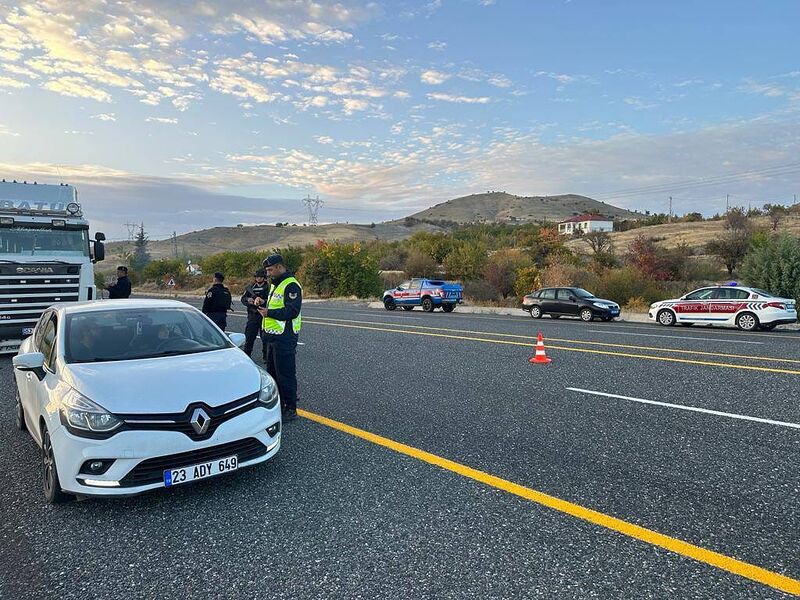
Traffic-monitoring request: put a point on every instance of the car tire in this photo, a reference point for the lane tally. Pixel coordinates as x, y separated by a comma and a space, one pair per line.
19, 420
536, 312
448, 308
389, 303
427, 305
50, 482
666, 317
408, 308
768, 326
586, 315
747, 321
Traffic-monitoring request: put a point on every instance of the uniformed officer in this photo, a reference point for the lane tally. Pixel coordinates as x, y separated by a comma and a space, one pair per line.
255, 295
218, 302
122, 288
279, 328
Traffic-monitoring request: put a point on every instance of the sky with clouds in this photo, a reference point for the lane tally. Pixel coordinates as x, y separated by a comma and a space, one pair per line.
188, 114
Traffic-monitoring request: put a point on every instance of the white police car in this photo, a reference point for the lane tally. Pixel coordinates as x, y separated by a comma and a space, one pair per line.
733, 305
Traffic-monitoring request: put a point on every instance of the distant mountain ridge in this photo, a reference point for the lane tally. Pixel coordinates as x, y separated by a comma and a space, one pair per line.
499, 207
491, 207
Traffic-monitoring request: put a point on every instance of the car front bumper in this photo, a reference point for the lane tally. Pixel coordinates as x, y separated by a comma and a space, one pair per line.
129, 449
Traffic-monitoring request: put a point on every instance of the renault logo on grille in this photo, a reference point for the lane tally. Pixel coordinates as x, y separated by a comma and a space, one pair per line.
200, 421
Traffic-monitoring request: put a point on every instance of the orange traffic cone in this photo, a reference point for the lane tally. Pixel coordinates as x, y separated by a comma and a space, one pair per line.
541, 356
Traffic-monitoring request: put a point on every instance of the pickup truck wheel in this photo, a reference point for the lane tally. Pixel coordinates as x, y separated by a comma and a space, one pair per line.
427, 304
408, 308
389, 304
448, 307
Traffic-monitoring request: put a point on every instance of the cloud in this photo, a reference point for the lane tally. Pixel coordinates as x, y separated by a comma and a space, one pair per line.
433, 77
8, 82
460, 99
104, 117
4, 130
352, 105
438, 46
562, 78
500, 81
324, 139
76, 87
163, 120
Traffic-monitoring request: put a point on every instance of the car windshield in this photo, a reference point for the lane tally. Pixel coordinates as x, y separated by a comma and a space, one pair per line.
581, 293
129, 334
31, 241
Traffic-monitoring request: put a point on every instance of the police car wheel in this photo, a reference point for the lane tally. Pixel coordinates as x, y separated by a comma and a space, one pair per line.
666, 317
389, 304
747, 321
587, 315
427, 305
536, 312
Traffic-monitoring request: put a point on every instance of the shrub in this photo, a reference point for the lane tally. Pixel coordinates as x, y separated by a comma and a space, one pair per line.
529, 279
341, 270
419, 264
620, 285
233, 264
775, 266
466, 262
637, 304
479, 291
501, 270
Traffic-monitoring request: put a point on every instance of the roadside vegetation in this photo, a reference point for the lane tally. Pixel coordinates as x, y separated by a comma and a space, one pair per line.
498, 263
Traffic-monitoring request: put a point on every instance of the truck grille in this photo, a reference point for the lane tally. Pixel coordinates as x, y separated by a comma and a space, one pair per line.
27, 289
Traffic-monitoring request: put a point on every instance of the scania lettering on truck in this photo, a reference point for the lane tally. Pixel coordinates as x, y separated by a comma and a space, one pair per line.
46, 255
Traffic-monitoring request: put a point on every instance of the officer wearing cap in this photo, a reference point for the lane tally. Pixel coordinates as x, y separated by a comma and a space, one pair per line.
122, 288
218, 302
279, 329
255, 295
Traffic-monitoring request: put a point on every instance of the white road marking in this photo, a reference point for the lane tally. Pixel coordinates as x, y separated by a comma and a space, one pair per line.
690, 408
676, 337
301, 343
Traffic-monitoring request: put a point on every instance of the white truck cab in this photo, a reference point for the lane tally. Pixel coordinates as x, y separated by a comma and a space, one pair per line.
46, 255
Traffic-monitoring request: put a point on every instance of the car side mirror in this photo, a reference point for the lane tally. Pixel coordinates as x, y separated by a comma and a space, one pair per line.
99, 253
32, 362
100, 237
237, 339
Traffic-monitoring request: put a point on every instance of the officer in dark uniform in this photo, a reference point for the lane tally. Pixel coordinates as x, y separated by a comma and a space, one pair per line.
279, 330
218, 302
255, 295
121, 289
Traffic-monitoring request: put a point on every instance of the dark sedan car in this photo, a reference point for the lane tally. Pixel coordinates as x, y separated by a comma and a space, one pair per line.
569, 302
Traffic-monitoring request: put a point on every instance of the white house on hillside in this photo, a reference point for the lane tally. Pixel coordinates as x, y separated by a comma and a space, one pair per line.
586, 224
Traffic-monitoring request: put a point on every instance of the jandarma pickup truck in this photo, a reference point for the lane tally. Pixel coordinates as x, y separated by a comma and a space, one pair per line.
430, 294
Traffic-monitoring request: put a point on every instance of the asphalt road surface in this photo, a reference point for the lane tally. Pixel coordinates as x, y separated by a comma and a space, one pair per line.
433, 460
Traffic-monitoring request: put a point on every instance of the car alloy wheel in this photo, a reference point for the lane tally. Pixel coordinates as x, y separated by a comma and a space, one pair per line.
747, 322
665, 317
587, 315
536, 312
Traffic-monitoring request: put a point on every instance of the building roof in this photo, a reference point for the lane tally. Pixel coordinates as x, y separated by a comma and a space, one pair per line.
582, 218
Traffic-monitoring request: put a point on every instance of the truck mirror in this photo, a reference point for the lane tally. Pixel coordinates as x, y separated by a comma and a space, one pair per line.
99, 251
100, 237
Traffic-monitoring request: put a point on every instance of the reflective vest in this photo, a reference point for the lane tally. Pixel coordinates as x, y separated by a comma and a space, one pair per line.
273, 326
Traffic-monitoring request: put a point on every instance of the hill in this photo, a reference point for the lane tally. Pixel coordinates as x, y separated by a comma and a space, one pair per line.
695, 235
495, 207
265, 237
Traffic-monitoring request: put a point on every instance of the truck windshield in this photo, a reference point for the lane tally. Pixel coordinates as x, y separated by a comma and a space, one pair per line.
30, 241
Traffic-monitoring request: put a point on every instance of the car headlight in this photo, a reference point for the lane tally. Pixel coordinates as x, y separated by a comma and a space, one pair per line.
268, 394
78, 412
600, 305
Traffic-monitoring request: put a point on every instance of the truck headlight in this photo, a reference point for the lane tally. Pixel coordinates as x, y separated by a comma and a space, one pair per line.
268, 394
80, 413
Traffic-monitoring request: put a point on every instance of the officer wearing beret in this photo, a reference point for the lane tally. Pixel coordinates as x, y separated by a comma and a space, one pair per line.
281, 322
255, 295
218, 302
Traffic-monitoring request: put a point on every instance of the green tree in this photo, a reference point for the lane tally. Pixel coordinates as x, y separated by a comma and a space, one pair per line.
731, 248
420, 264
775, 266
528, 280
466, 261
140, 256
341, 270
501, 270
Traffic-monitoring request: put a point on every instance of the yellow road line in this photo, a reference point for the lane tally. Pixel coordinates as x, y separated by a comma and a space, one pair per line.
709, 557
584, 342
584, 350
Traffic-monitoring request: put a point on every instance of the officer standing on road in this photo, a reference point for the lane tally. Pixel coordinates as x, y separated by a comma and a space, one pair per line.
121, 289
279, 328
255, 295
218, 302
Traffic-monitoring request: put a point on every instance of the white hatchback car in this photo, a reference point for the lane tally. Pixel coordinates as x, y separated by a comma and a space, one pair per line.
131, 395
743, 307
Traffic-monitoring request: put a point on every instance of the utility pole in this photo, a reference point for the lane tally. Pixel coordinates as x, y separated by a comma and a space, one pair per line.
727, 203
670, 210
175, 243
313, 205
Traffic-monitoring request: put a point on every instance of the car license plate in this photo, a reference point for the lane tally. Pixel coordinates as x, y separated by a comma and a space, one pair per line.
200, 470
